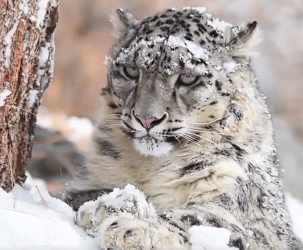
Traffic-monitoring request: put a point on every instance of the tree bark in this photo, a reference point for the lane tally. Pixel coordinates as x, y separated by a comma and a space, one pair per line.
26, 69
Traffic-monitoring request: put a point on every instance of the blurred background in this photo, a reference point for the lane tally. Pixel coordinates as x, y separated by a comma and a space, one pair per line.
83, 38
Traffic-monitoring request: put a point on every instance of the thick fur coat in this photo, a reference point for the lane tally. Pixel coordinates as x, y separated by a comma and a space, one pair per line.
183, 120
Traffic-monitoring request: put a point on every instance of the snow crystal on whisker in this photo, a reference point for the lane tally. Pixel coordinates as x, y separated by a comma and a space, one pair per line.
5, 93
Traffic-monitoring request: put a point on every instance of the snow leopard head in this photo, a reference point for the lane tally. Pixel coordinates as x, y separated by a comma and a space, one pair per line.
176, 74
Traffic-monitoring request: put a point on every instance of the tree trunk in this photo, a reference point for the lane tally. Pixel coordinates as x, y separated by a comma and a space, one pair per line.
26, 69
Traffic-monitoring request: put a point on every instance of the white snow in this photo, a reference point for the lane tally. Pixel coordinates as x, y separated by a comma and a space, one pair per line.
31, 219
197, 51
32, 97
5, 93
42, 4
230, 66
44, 54
296, 212
43, 57
8, 42
24, 6
210, 238
107, 60
218, 24
119, 197
201, 9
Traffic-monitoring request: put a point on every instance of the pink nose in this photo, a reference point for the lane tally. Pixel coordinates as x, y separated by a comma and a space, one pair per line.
146, 121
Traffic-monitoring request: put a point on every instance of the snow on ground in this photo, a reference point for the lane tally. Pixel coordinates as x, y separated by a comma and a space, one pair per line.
209, 238
296, 211
28, 221
31, 219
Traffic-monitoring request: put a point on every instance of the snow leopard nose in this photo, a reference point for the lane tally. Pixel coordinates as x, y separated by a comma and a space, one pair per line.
149, 122
146, 122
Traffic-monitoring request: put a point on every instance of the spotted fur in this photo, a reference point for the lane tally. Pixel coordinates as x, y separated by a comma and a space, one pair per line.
209, 158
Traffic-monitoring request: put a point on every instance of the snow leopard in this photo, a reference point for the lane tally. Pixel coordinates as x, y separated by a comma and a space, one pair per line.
183, 120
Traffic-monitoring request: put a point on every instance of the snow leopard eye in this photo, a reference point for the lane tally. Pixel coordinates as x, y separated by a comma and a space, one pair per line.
188, 79
130, 73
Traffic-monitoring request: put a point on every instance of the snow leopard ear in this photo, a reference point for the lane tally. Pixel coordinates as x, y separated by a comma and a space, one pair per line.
122, 21
242, 40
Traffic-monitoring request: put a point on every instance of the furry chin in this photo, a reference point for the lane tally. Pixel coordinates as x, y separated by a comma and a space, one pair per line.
147, 148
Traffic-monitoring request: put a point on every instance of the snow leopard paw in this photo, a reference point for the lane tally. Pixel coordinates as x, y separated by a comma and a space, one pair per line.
128, 200
86, 217
128, 232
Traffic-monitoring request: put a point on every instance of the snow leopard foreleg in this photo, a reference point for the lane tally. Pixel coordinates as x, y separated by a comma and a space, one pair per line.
124, 219
195, 214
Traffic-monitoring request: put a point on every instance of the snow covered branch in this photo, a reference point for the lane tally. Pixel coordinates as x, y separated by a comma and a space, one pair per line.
26, 69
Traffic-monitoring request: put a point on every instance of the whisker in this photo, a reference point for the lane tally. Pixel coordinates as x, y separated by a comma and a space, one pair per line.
206, 131
174, 135
110, 118
111, 122
112, 114
114, 120
177, 140
111, 125
206, 123
191, 140
202, 137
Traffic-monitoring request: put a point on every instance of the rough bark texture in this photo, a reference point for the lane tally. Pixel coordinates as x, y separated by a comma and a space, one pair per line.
26, 69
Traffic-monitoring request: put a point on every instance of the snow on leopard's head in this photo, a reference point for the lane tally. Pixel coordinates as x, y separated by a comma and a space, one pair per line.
170, 75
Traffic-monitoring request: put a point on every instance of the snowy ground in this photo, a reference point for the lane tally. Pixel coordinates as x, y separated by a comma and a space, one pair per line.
31, 219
